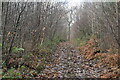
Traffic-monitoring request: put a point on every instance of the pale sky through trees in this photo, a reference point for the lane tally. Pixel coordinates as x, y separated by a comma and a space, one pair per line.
74, 2
60, 39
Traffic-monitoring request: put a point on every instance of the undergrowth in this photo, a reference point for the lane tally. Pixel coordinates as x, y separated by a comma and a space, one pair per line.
82, 40
51, 44
91, 51
31, 63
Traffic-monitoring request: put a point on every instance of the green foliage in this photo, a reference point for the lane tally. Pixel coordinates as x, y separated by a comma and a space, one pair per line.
20, 72
27, 72
12, 73
15, 49
40, 67
3, 64
27, 56
51, 44
0, 44
82, 40
37, 58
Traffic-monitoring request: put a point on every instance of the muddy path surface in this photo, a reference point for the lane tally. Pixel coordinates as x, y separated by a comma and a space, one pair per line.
69, 63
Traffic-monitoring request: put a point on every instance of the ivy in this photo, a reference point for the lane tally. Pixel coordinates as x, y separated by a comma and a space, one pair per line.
15, 49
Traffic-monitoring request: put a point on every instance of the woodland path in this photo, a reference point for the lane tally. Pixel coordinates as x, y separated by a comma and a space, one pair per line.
69, 63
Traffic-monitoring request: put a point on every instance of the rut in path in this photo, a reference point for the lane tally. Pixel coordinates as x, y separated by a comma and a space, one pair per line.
69, 63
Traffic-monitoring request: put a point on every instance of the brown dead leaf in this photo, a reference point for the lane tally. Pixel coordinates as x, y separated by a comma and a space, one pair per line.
11, 60
110, 75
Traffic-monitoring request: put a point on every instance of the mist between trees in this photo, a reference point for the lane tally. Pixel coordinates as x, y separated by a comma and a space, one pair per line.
32, 22
29, 25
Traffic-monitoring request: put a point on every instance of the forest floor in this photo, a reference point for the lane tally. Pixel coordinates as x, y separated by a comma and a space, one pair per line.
70, 63
67, 61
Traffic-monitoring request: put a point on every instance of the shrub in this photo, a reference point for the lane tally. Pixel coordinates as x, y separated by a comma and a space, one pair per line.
51, 44
0, 44
40, 67
82, 40
15, 49
12, 73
